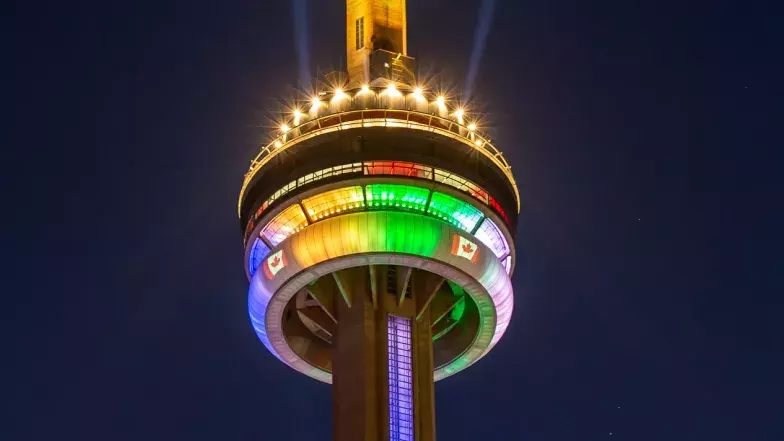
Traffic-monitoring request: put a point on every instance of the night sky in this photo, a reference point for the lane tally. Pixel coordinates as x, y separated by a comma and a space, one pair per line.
646, 137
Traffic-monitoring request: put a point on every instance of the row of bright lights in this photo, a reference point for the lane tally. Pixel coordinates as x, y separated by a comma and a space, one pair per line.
391, 89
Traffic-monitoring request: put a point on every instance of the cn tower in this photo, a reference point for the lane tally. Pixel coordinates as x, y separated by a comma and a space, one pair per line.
378, 227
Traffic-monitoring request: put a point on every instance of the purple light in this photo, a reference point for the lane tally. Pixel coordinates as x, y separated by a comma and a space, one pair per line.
401, 406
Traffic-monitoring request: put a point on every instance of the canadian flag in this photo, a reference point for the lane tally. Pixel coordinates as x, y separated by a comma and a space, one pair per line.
464, 248
275, 262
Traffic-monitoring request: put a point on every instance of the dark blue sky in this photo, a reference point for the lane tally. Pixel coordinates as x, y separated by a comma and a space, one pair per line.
645, 136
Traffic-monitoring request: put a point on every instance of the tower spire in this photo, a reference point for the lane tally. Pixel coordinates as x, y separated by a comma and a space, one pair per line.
373, 25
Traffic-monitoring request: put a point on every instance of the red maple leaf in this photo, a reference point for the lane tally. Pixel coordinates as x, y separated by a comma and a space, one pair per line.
467, 248
275, 261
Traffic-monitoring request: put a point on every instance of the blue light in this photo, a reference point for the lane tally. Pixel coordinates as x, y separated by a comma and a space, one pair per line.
257, 254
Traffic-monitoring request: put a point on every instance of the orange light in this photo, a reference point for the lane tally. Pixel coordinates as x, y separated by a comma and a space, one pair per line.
284, 128
441, 100
472, 127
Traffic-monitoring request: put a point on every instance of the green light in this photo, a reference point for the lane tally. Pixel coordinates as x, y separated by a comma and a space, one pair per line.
454, 211
391, 195
457, 311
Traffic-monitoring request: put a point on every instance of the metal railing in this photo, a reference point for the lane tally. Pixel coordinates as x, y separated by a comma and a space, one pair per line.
403, 118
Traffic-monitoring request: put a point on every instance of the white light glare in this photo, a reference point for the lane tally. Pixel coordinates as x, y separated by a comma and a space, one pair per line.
441, 100
284, 128
365, 88
472, 127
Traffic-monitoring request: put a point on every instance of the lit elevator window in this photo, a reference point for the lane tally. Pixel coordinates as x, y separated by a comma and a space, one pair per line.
454, 211
286, 223
401, 197
491, 236
334, 202
401, 397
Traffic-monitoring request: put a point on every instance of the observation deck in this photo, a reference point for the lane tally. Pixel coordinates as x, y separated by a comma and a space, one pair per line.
417, 128
388, 179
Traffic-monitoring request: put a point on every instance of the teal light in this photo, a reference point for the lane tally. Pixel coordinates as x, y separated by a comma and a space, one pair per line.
454, 211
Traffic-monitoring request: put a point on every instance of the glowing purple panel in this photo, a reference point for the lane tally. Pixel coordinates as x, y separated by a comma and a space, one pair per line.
401, 398
491, 235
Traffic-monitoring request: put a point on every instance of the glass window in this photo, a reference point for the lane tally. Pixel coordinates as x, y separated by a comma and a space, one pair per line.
404, 197
334, 202
398, 168
257, 254
286, 223
454, 211
462, 184
401, 379
491, 236
359, 35
497, 207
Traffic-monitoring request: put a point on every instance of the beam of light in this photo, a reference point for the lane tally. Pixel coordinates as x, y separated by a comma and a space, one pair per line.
480, 38
299, 13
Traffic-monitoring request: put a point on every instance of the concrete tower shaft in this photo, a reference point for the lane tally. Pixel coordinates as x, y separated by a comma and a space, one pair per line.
373, 25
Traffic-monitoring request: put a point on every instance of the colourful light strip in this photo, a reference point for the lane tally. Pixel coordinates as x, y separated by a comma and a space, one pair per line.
393, 168
385, 196
398, 168
453, 210
286, 223
401, 406
491, 236
257, 253
404, 197
383, 237
334, 202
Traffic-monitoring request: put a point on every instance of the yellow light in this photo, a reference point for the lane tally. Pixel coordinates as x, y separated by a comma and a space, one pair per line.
278, 144
478, 142
297, 114
365, 88
418, 91
391, 87
472, 127
459, 113
441, 100
339, 94
284, 128
316, 101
